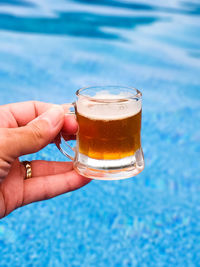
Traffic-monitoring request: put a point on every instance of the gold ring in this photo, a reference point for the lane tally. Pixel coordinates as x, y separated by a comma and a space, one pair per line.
27, 166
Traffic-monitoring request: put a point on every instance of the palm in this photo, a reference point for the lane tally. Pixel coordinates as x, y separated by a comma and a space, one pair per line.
49, 178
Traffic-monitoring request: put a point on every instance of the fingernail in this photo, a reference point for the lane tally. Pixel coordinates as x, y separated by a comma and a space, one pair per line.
54, 115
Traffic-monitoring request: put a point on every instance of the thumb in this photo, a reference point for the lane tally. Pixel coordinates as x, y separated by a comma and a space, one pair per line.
36, 134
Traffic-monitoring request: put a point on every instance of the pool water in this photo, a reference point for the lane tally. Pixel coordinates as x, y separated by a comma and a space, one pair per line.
48, 50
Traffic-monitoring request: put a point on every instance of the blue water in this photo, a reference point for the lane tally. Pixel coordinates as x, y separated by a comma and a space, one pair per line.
48, 50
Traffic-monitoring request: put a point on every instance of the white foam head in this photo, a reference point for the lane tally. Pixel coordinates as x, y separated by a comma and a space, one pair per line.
105, 108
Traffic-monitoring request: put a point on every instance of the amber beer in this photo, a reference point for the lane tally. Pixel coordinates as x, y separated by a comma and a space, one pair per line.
109, 139
108, 145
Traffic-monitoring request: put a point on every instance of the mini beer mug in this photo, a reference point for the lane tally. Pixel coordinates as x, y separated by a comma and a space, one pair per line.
108, 143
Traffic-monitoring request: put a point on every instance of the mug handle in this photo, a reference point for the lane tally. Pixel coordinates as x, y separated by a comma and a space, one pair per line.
61, 143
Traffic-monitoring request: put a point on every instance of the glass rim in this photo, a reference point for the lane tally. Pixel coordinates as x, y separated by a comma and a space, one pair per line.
137, 94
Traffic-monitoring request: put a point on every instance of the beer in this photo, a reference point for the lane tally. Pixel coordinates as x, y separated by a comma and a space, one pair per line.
108, 145
109, 137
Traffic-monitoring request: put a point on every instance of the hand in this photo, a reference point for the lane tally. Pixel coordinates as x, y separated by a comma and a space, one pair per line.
26, 128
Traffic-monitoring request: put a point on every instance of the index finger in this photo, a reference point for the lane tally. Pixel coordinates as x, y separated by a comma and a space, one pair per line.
21, 113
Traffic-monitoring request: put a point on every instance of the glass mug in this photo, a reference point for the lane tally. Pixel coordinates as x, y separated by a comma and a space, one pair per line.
108, 142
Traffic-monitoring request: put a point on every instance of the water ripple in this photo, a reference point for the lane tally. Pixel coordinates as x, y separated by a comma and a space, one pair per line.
90, 25
50, 48
16, 3
184, 8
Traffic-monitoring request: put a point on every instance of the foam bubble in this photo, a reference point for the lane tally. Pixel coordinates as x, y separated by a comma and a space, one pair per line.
101, 110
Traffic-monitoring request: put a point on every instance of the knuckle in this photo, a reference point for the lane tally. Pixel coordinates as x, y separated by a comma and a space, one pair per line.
5, 158
6, 136
47, 194
36, 130
37, 133
4, 168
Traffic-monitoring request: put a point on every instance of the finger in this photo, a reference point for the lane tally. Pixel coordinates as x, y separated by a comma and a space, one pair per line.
42, 188
19, 114
45, 168
32, 137
68, 137
70, 126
